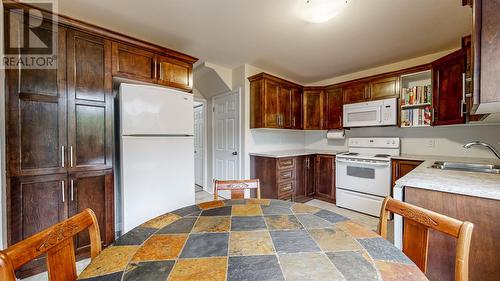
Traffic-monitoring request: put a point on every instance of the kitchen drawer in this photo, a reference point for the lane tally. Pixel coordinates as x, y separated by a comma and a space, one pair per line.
286, 187
286, 163
286, 197
286, 175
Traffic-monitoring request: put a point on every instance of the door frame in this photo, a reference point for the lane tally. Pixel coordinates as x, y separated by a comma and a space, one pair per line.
239, 130
205, 141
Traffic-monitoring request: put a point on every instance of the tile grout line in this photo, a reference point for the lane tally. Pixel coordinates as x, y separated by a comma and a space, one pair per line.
184, 245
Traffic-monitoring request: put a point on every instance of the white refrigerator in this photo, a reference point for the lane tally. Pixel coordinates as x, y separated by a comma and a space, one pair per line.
156, 152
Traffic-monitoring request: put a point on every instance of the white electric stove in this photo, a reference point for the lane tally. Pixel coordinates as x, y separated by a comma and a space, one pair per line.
363, 175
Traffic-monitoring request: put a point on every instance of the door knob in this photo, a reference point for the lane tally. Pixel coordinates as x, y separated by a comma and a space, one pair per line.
235, 153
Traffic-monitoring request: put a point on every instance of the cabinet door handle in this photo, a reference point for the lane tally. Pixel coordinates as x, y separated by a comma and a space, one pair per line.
155, 70
62, 156
72, 190
71, 156
161, 72
463, 96
293, 121
62, 191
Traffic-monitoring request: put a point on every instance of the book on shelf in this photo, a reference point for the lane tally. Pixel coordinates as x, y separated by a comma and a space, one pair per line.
416, 95
416, 117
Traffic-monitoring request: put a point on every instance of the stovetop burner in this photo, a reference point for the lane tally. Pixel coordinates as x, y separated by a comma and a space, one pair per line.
382, 155
351, 154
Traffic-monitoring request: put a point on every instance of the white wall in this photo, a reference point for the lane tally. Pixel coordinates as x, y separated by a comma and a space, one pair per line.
442, 141
2, 141
260, 140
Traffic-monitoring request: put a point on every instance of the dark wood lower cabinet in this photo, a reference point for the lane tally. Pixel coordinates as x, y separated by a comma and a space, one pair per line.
483, 213
325, 177
277, 176
93, 190
310, 175
300, 178
37, 202
402, 167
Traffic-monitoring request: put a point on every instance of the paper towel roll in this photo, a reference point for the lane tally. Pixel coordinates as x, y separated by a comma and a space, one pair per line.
335, 135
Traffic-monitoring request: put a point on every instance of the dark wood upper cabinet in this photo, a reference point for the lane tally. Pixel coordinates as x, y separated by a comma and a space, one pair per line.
175, 73
143, 65
296, 108
89, 102
274, 103
380, 87
333, 108
36, 113
271, 98
285, 107
449, 95
384, 88
356, 92
134, 63
93, 190
486, 56
325, 177
313, 108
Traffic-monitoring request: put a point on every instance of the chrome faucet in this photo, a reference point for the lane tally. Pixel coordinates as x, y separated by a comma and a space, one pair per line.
474, 143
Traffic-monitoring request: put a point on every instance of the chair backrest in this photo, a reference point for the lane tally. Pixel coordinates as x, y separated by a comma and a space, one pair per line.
418, 221
237, 187
57, 243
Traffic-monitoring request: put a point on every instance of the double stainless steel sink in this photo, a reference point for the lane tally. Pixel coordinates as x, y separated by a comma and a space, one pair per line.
469, 167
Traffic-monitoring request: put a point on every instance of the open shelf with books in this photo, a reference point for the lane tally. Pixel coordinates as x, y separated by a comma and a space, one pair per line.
416, 99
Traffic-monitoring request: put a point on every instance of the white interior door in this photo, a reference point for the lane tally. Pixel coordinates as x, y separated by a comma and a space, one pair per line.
199, 130
226, 137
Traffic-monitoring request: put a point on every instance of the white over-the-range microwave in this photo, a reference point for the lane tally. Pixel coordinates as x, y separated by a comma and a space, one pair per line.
371, 113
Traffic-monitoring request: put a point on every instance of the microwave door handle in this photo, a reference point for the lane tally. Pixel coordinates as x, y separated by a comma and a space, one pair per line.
380, 110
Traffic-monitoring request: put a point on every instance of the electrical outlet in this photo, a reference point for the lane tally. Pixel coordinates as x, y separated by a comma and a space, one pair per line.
431, 143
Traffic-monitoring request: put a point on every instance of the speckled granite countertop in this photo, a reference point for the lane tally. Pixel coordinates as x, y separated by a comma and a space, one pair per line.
294, 153
459, 182
255, 239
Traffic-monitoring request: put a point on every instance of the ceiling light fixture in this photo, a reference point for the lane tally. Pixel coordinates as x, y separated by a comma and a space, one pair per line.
318, 11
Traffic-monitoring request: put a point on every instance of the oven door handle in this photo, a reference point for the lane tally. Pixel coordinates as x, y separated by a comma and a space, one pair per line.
363, 163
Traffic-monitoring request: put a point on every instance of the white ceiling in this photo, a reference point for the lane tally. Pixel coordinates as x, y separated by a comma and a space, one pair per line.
269, 35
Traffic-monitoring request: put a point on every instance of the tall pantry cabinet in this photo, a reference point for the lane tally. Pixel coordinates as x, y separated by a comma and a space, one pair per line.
59, 138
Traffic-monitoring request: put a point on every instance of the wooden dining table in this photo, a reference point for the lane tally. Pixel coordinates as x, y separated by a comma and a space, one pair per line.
251, 239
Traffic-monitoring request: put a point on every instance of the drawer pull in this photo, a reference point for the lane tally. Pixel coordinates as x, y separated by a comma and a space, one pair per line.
287, 187
288, 163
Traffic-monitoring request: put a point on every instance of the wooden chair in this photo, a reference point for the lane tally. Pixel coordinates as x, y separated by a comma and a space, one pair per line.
55, 241
417, 223
237, 187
